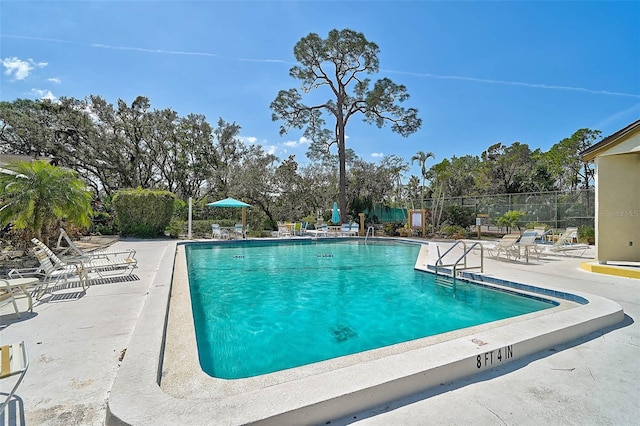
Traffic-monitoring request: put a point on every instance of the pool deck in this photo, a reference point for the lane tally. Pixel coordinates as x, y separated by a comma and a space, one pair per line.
75, 343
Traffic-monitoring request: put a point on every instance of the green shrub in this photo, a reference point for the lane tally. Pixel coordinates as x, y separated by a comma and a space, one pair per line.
458, 216
532, 225
390, 228
586, 233
103, 224
143, 212
175, 228
451, 230
310, 219
270, 225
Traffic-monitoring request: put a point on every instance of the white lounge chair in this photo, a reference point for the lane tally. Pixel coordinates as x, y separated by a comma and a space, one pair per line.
541, 232
564, 244
508, 245
97, 254
90, 263
320, 231
49, 273
14, 361
52, 269
528, 244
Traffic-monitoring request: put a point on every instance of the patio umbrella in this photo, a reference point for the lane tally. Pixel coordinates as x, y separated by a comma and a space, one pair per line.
335, 217
232, 202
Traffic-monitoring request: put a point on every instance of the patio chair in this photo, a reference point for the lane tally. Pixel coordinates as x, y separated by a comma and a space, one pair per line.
14, 361
564, 243
102, 253
7, 296
53, 269
239, 231
49, 273
345, 229
320, 231
528, 244
89, 262
541, 233
355, 229
283, 230
507, 245
218, 233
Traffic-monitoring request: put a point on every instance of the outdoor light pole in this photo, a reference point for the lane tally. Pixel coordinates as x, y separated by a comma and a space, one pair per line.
190, 217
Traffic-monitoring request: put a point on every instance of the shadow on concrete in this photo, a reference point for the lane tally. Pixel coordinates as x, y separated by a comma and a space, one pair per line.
13, 414
480, 377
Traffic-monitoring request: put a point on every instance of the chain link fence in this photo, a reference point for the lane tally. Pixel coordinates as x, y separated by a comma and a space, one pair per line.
556, 209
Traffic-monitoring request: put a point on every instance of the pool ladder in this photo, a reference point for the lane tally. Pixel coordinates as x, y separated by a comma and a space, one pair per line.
373, 233
456, 268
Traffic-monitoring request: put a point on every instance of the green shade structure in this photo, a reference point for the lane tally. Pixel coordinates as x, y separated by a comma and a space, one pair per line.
335, 217
232, 202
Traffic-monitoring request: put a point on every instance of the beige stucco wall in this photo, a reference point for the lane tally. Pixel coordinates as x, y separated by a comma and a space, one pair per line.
618, 206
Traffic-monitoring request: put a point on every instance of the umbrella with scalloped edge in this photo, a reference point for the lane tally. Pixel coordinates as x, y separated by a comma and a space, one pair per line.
232, 202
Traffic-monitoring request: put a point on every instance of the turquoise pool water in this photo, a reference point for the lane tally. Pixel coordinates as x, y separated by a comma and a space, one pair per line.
262, 307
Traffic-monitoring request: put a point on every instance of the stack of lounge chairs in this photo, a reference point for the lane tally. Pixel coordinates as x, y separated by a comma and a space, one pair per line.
53, 270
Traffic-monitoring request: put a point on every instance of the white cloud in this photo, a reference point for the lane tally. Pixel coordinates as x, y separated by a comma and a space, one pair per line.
515, 83
249, 139
54, 80
20, 69
293, 144
377, 154
271, 149
43, 94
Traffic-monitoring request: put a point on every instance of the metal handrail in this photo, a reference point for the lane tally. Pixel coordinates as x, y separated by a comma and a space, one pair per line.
373, 233
439, 261
463, 257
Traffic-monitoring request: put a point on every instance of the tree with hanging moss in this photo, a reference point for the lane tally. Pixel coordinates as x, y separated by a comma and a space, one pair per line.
35, 194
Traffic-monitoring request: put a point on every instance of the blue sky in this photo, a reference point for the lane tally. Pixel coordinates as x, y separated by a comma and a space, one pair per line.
478, 72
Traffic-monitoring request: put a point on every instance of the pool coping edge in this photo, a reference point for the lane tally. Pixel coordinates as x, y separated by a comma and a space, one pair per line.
136, 396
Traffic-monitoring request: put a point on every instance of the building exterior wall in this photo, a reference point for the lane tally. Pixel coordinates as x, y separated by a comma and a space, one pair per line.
618, 207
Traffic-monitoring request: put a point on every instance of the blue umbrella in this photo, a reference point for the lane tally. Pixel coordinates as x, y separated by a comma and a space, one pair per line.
232, 202
335, 217
228, 202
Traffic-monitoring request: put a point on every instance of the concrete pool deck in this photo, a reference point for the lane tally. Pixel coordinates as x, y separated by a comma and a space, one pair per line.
75, 343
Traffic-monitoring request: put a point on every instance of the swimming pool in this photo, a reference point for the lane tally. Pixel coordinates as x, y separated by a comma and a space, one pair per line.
265, 307
160, 380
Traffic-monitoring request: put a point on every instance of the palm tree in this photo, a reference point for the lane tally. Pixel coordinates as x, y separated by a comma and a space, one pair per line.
39, 193
422, 158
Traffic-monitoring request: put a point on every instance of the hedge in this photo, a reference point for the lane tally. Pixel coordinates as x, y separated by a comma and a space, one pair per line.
143, 212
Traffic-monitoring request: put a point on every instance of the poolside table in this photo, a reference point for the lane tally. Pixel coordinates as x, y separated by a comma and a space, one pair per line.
23, 284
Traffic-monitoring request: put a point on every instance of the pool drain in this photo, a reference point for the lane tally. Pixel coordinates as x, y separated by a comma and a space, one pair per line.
342, 333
